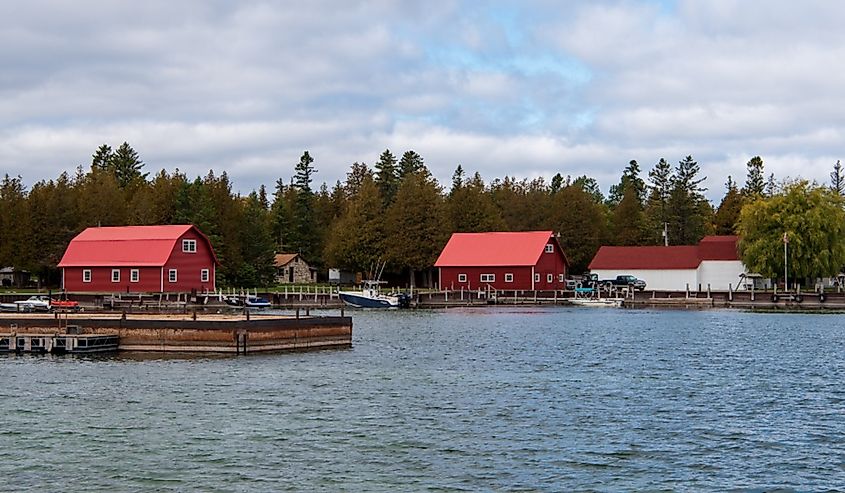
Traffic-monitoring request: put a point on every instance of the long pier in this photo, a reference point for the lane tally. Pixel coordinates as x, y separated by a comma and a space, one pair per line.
213, 333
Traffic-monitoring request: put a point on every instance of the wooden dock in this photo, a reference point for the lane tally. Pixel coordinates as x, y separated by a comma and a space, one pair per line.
235, 334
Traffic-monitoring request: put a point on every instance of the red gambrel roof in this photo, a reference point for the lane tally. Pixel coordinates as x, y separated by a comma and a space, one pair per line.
141, 246
494, 249
666, 257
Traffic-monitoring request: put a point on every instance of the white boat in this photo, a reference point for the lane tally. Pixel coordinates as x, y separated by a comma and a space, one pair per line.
590, 297
248, 301
33, 304
598, 302
370, 296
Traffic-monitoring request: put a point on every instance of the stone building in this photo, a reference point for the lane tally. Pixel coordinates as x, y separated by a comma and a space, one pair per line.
291, 268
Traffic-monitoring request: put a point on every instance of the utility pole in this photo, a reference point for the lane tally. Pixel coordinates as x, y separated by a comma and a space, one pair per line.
665, 234
785, 278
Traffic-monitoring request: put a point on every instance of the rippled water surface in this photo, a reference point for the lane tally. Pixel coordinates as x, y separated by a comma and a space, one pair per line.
548, 399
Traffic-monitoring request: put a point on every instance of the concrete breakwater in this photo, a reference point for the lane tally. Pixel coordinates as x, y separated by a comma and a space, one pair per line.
233, 334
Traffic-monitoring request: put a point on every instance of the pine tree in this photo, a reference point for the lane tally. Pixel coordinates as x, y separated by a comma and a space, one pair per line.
556, 183
754, 182
126, 165
837, 179
102, 158
387, 176
687, 224
628, 219
630, 177
471, 208
304, 231
724, 222
411, 163
657, 205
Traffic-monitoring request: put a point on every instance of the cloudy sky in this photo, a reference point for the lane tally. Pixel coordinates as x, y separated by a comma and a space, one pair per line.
522, 88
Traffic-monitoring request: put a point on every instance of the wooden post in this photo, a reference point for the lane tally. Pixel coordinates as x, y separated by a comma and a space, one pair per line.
730, 292
708, 290
687, 291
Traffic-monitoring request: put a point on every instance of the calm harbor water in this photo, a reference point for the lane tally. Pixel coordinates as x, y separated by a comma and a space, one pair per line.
529, 399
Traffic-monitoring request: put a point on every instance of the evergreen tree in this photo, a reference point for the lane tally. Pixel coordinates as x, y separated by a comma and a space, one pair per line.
15, 230
837, 179
356, 239
355, 177
471, 208
258, 245
771, 186
102, 158
411, 163
458, 179
687, 222
556, 183
590, 186
416, 231
630, 177
304, 234
657, 205
387, 176
581, 221
126, 165
628, 219
754, 182
724, 222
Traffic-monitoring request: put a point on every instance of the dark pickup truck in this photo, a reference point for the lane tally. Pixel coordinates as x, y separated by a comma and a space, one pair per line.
618, 281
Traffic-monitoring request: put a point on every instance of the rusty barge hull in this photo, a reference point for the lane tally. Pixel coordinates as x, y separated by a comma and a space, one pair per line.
162, 333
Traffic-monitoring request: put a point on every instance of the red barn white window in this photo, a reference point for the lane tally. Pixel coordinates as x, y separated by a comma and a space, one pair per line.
86, 275
134, 275
550, 248
115, 275
204, 275
189, 246
488, 278
171, 275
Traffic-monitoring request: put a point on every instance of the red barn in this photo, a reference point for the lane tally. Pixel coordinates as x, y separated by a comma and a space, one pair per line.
527, 260
139, 259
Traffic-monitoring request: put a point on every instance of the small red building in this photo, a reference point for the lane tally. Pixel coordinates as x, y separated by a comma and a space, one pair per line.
526, 260
139, 259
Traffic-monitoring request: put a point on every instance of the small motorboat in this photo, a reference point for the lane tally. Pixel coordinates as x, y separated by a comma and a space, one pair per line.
256, 302
248, 301
597, 302
370, 296
589, 296
64, 304
34, 304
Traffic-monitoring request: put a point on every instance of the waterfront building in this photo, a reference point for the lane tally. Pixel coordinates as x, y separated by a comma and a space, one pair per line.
525, 260
714, 261
291, 268
139, 259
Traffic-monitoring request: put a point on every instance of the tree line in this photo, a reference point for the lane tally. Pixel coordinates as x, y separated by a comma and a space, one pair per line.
394, 211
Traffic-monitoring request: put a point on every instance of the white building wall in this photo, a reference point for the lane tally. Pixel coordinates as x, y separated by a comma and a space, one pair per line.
657, 279
720, 273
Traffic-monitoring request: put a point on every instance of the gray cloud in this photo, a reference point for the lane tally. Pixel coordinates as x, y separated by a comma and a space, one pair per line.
524, 89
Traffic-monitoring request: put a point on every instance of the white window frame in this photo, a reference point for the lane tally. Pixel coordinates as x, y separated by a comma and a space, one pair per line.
536, 277
561, 278
172, 275
550, 278
134, 275
509, 277
205, 275
86, 275
550, 248
115, 275
487, 278
462, 278
189, 246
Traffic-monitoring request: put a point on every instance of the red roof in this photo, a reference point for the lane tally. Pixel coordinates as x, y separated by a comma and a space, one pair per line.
719, 248
142, 246
666, 257
494, 249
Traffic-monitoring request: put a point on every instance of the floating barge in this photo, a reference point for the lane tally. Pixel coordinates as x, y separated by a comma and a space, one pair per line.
234, 334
